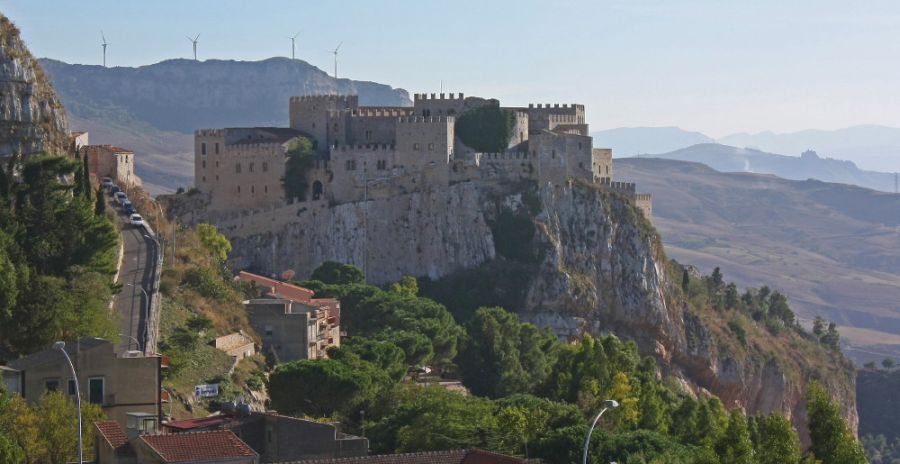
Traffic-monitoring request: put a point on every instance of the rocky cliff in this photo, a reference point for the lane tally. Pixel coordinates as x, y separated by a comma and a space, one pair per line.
32, 120
571, 257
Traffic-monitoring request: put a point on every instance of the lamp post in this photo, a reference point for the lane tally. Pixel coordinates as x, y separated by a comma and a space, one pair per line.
608, 404
136, 342
147, 320
61, 346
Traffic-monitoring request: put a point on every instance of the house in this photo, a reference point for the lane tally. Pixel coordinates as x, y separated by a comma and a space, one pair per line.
113, 162
280, 438
466, 456
131, 383
237, 345
114, 446
291, 322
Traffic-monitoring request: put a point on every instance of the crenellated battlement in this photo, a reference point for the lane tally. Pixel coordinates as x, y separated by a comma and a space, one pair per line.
247, 149
368, 112
425, 119
501, 156
209, 133
643, 197
322, 98
434, 96
548, 106
624, 187
379, 147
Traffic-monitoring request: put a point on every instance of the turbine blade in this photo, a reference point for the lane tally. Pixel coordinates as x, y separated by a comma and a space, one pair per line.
102, 36
338, 47
195, 38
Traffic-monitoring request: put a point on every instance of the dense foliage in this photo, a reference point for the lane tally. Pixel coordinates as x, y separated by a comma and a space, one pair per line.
487, 128
57, 257
530, 395
46, 432
300, 159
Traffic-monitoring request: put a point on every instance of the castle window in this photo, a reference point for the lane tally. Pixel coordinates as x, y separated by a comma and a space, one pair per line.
204, 178
579, 145
607, 169
430, 147
217, 177
368, 135
313, 125
350, 165
250, 168
265, 166
553, 154
239, 188
317, 190
252, 189
217, 163
416, 146
203, 164
265, 189
217, 148
381, 165
237, 168
203, 148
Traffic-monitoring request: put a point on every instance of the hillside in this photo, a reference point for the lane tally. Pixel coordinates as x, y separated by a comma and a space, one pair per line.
830, 247
879, 410
809, 166
870, 146
154, 109
630, 141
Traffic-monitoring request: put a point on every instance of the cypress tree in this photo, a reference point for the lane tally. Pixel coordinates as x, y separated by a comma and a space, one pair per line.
86, 178
100, 204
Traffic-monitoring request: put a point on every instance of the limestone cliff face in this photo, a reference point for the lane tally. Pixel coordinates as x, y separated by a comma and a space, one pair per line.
598, 267
32, 119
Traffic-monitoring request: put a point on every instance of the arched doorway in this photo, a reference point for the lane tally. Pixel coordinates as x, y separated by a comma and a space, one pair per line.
317, 190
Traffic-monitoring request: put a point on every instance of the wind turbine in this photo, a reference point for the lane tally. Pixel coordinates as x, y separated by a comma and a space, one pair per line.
335, 52
104, 44
194, 41
292, 45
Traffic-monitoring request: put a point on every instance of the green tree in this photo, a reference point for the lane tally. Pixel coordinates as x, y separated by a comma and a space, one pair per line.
731, 296
384, 354
300, 159
503, 356
776, 441
888, 363
331, 272
86, 178
818, 326
324, 387
407, 286
214, 241
832, 440
58, 427
685, 280
100, 202
487, 128
734, 446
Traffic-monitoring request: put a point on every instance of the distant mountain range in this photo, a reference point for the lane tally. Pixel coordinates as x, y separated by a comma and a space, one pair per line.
871, 147
831, 247
807, 166
154, 109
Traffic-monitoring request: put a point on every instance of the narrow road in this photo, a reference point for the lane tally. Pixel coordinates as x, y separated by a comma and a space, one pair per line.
136, 277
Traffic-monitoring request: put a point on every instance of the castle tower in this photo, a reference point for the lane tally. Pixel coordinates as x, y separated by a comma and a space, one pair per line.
310, 114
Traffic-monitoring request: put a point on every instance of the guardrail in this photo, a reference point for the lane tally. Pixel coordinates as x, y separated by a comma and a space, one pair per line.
151, 325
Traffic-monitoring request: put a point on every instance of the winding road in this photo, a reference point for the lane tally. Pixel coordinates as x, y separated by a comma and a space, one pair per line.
137, 276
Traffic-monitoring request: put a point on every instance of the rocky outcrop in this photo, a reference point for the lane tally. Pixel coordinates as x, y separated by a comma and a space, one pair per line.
32, 120
594, 264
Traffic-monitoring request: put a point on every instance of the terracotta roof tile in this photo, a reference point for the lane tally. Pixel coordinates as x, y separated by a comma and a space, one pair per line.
199, 446
112, 432
473, 456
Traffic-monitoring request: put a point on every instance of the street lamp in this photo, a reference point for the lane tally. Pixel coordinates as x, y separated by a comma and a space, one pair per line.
147, 320
608, 404
61, 346
136, 342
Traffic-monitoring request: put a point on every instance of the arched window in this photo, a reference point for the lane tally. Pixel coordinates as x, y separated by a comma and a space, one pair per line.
317, 190
203, 148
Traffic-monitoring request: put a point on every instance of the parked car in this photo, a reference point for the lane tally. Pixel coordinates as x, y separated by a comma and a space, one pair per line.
107, 183
121, 197
137, 220
114, 190
128, 208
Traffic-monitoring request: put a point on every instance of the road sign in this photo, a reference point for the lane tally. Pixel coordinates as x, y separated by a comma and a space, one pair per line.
206, 390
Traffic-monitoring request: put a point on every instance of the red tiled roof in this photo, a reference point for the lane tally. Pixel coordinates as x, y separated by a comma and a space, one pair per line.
279, 288
112, 432
200, 446
188, 424
473, 456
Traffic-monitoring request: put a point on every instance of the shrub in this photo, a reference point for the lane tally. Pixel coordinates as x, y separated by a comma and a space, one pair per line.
486, 129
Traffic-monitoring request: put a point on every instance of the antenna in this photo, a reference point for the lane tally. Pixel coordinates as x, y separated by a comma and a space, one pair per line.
194, 41
335, 52
104, 44
292, 45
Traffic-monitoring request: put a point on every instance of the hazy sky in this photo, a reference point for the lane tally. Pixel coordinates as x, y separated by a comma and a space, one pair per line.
717, 66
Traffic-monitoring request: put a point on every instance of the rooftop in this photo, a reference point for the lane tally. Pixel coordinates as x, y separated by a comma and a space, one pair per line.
199, 446
112, 432
51, 355
469, 456
262, 134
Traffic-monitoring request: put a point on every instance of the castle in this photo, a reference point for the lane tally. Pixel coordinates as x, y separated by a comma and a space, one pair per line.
364, 153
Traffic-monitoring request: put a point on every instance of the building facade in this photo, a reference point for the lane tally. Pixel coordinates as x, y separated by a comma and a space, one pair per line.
113, 162
120, 385
291, 323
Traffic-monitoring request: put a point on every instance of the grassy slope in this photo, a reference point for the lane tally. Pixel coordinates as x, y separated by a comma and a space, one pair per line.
831, 248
